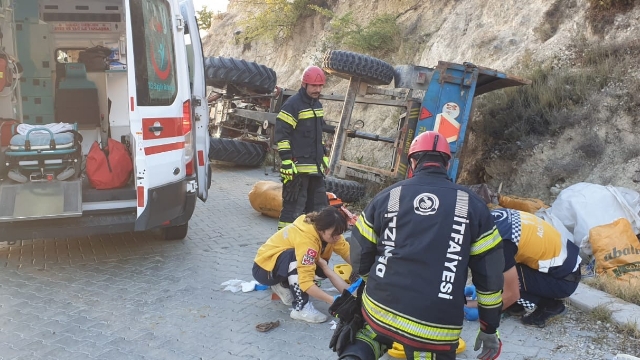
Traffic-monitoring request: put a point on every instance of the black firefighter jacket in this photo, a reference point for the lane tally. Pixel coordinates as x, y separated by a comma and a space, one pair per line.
413, 244
299, 132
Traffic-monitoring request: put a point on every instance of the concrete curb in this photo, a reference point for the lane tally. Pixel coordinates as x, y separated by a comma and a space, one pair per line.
587, 298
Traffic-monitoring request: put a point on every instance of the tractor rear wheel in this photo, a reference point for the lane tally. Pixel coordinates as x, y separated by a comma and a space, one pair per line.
346, 64
347, 190
237, 152
244, 75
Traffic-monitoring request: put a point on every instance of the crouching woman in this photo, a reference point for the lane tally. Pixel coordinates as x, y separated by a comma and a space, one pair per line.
291, 259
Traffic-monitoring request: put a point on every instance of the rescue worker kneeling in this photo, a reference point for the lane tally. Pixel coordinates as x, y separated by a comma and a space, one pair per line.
413, 244
541, 267
292, 257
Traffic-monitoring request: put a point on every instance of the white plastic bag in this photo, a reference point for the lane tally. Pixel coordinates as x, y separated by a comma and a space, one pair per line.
234, 285
583, 206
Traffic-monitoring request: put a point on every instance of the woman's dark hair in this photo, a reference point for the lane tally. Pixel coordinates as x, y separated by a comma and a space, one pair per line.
328, 218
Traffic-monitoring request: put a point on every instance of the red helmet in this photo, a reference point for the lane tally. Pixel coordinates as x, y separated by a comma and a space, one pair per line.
429, 141
313, 75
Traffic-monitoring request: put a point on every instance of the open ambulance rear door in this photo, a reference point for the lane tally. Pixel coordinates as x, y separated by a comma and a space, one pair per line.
159, 111
199, 104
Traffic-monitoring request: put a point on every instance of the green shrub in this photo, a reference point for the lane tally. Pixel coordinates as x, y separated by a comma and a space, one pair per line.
204, 17
379, 37
277, 19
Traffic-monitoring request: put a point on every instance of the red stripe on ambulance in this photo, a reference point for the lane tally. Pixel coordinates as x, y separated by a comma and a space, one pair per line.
140, 191
200, 158
158, 149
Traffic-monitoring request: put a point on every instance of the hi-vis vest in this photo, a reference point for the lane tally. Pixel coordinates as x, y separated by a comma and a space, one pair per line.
540, 245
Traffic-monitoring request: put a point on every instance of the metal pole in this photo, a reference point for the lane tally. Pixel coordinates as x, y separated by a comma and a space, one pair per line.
341, 130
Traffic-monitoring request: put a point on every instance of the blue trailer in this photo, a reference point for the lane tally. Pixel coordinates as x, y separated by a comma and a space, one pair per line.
449, 90
448, 101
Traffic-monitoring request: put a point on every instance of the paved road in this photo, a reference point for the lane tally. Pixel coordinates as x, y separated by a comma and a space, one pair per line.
134, 296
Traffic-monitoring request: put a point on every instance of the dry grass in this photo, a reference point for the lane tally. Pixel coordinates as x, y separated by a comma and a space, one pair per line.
509, 121
601, 313
544, 108
553, 18
630, 329
560, 169
602, 13
623, 290
591, 145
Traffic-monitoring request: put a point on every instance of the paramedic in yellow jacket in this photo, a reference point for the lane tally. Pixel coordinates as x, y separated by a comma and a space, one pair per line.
541, 267
292, 257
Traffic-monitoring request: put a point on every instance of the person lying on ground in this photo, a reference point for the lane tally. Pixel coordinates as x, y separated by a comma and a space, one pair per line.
541, 267
293, 257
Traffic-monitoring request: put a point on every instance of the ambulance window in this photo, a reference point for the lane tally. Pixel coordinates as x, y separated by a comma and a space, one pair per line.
154, 52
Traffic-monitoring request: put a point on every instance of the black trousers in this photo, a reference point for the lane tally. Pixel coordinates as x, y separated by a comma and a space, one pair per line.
285, 273
538, 288
312, 197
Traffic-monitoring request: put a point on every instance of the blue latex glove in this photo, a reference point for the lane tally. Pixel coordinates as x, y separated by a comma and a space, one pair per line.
355, 285
471, 314
470, 291
352, 288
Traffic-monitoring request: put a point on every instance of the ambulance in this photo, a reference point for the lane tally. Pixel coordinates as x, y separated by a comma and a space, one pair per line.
79, 75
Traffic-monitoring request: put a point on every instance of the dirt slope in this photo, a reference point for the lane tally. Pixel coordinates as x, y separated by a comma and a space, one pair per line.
492, 33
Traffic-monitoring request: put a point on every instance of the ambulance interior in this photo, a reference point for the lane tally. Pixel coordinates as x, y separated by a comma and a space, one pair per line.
64, 67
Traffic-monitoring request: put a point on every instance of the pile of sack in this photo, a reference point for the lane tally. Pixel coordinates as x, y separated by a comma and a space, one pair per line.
602, 220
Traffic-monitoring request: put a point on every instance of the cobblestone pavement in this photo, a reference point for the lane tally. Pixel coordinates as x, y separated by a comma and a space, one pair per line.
134, 296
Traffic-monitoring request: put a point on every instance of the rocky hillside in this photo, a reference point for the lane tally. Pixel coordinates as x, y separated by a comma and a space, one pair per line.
591, 139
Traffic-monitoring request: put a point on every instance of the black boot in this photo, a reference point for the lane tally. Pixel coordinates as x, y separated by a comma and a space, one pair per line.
545, 312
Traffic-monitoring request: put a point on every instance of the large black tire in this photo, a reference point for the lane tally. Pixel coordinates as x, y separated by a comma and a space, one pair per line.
346, 64
178, 232
347, 190
221, 71
237, 152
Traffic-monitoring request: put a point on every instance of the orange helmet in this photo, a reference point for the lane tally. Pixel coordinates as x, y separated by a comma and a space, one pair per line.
429, 142
313, 75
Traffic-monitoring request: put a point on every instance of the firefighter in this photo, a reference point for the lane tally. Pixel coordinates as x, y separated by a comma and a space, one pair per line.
541, 267
292, 258
298, 135
413, 244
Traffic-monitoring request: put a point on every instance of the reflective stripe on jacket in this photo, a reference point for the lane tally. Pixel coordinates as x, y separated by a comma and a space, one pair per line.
414, 242
298, 132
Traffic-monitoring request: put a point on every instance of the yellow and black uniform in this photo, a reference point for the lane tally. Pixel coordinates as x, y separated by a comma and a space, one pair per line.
298, 135
414, 243
548, 265
289, 257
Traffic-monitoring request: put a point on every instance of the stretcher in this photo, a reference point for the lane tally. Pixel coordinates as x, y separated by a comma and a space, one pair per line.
42, 155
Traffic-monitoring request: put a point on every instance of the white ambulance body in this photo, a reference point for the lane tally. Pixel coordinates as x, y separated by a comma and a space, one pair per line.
150, 97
